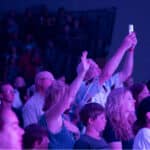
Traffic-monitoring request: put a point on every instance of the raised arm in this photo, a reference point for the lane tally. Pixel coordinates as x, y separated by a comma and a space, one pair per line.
66, 94
129, 61
81, 71
114, 62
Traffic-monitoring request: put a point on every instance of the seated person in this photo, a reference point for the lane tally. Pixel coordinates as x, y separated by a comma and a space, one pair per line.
92, 116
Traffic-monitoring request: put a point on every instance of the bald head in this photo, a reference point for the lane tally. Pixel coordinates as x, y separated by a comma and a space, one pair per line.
43, 80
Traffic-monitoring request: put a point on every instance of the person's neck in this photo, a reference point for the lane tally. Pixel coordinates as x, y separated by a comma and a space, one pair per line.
92, 133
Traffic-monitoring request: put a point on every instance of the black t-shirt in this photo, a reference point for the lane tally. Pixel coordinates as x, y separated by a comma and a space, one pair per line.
109, 136
87, 142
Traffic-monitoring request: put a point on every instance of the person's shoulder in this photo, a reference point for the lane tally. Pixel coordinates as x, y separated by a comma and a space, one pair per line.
144, 132
82, 142
142, 139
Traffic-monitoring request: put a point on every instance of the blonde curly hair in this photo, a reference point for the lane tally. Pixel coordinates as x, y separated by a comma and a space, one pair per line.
116, 112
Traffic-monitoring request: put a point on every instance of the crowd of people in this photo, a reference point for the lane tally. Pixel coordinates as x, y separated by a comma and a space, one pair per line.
99, 109
31, 41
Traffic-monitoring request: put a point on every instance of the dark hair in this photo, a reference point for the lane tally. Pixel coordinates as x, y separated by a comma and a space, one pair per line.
136, 89
33, 133
23, 92
90, 110
2, 84
142, 109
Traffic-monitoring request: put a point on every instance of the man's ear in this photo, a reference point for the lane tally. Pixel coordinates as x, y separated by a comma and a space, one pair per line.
90, 121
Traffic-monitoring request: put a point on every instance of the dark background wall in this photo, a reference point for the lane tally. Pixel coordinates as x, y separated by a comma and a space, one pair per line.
136, 12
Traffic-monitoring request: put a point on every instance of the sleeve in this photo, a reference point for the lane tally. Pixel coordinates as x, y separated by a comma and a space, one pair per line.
115, 81
142, 141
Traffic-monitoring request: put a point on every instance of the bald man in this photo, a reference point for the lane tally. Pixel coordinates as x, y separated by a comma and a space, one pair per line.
33, 108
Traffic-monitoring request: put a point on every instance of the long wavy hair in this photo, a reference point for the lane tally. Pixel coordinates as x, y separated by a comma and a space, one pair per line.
121, 123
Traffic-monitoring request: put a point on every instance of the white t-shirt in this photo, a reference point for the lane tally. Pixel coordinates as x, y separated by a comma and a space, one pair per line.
96, 92
33, 109
142, 140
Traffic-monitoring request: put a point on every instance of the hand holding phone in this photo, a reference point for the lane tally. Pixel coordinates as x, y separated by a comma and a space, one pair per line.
131, 28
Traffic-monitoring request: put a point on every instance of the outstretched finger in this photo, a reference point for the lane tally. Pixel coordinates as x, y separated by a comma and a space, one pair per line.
84, 54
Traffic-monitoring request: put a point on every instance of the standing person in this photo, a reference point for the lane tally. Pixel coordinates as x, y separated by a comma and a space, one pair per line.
32, 110
120, 112
58, 99
7, 94
92, 115
99, 82
142, 138
10, 132
19, 83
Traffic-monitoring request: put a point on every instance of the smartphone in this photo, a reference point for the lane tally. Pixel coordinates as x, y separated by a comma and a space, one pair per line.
131, 28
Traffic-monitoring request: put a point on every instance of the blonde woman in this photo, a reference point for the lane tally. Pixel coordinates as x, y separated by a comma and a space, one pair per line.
120, 110
58, 99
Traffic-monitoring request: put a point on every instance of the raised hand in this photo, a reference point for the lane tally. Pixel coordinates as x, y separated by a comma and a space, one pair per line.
84, 64
134, 41
130, 41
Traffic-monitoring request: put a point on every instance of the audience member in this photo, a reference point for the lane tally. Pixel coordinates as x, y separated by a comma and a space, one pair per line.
142, 139
92, 116
98, 83
7, 94
32, 110
18, 84
58, 99
120, 111
139, 92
